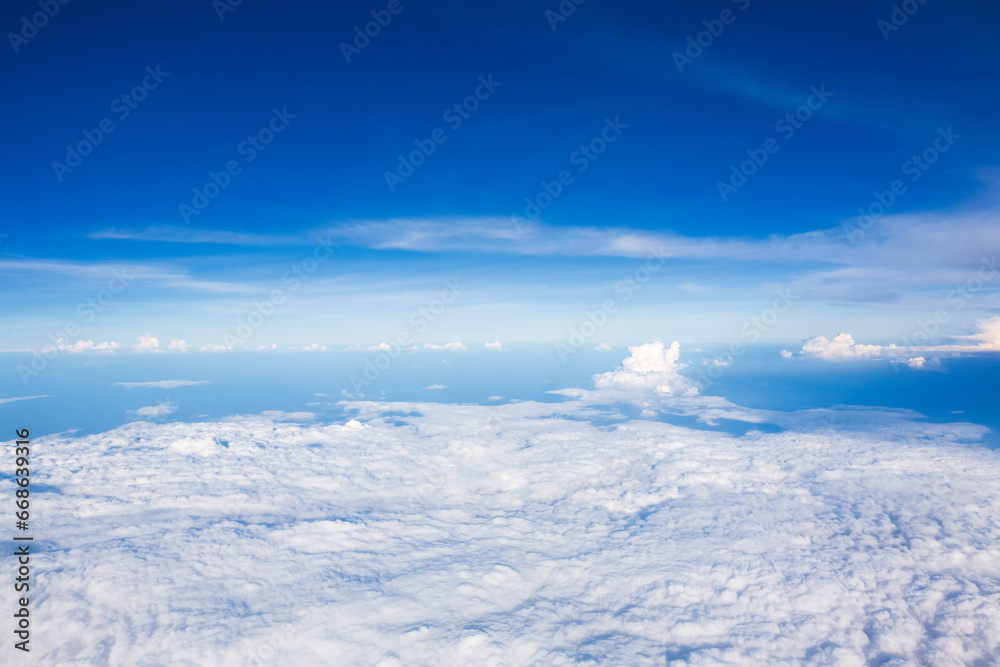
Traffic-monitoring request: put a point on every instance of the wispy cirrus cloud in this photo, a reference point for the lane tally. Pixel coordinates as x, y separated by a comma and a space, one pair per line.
14, 399
177, 234
161, 384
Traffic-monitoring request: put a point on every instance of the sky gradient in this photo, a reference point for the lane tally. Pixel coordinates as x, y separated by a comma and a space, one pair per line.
557, 154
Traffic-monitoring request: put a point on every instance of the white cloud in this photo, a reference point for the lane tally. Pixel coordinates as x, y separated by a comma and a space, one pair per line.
451, 347
603, 347
82, 346
313, 347
20, 398
495, 345
844, 348
785, 354
649, 366
155, 411
179, 345
148, 343
214, 348
524, 534
161, 384
436, 386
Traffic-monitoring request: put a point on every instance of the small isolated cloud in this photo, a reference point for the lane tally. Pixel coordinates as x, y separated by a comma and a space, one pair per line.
693, 288
495, 345
603, 347
649, 366
214, 348
436, 386
148, 343
155, 411
785, 354
314, 347
841, 348
161, 384
452, 347
179, 345
20, 398
917, 362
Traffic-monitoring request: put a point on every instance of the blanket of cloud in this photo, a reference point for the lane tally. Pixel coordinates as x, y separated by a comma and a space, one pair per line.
588, 531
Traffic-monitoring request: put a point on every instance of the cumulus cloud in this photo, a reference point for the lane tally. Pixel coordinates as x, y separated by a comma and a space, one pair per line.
179, 345
161, 384
147, 343
649, 366
436, 386
155, 411
844, 348
602, 347
495, 345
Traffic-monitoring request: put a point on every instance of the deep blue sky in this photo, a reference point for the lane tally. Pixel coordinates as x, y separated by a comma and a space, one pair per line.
607, 60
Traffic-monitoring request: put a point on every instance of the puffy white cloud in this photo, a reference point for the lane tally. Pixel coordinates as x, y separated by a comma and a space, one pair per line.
155, 411
602, 347
649, 366
495, 345
436, 386
179, 345
842, 348
148, 343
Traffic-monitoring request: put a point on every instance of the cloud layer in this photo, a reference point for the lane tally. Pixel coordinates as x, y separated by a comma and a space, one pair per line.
523, 534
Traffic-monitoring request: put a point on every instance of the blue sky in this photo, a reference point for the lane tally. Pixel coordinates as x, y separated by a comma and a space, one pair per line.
607, 68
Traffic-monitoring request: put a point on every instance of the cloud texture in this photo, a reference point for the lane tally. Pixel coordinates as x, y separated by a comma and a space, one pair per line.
523, 534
